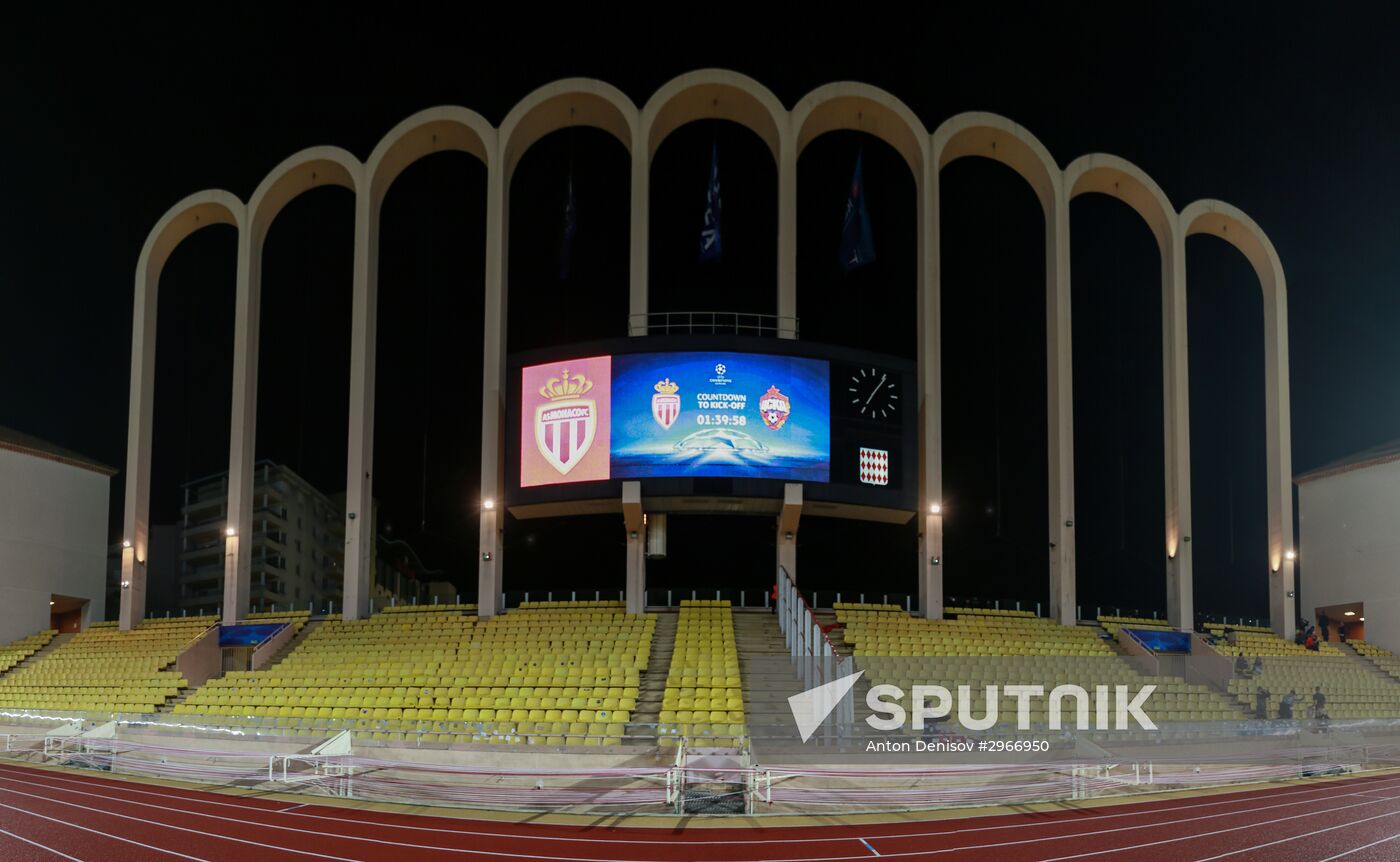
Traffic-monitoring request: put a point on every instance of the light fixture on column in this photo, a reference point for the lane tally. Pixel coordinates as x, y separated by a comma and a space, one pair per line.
935, 509
488, 504
1290, 555
230, 532
788, 536
486, 556
126, 543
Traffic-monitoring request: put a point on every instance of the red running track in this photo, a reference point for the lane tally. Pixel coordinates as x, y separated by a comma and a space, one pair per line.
47, 815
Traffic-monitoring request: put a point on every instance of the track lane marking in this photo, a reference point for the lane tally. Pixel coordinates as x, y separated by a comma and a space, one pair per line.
471, 851
40, 846
868, 847
1327, 789
103, 834
1359, 849
1298, 837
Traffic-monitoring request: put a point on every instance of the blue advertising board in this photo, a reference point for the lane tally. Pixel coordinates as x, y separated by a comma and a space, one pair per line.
247, 634
721, 414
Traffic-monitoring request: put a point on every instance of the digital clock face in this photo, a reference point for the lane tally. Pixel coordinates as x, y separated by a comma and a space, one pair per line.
872, 393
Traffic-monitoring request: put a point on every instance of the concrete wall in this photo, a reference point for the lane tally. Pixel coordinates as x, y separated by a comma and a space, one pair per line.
1350, 550
53, 540
202, 660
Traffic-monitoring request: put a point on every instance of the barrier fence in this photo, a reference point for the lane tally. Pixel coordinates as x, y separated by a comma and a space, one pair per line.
679, 785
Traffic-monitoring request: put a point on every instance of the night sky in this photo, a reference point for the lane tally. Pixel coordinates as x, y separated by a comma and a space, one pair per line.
112, 119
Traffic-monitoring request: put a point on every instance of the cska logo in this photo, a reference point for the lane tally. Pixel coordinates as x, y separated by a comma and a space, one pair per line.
775, 408
666, 404
564, 427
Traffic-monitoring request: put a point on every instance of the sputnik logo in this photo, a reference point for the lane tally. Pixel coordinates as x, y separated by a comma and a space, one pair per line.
811, 707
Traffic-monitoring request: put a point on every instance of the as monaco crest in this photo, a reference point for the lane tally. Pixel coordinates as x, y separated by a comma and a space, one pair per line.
565, 426
775, 408
666, 404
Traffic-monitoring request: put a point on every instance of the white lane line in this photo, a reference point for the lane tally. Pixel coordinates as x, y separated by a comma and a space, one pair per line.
1200, 835
99, 832
155, 823
1359, 849
291, 808
921, 852
1297, 837
40, 846
868, 847
1329, 789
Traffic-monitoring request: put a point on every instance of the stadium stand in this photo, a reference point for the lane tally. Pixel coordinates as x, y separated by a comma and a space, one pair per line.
1354, 688
554, 676
992, 647
15, 652
106, 671
703, 701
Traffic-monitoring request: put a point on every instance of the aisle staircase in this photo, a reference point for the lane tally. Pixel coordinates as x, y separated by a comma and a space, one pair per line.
653, 683
768, 676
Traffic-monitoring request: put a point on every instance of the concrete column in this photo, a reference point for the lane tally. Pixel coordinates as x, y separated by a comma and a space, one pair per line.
243, 424
787, 239
133, 590
359, 483
136, 520
1176, 437
493, 374
1059, 370
789, 519
634, 522
929, 324
1283, 612
638, 271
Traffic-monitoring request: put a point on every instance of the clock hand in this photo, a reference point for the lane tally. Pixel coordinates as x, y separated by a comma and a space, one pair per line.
877, 388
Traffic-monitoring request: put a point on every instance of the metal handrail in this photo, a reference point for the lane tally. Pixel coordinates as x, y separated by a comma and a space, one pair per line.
711, 323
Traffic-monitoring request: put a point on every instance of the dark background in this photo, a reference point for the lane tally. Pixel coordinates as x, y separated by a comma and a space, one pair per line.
1292, 116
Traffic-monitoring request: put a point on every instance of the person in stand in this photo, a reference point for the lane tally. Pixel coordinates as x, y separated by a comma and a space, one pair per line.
1310, 642
1241, 666
1299, 637
1258, 666
1285, 706
1342, 631
1261, 702
774, 596
1322, 623
1319, 702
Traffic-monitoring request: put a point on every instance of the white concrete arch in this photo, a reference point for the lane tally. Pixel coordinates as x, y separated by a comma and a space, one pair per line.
198, 211
311, 168
564, 103
555, 106
850, 105
853, 106
1227, 222
444, 128
1101, 173
724, 95
718, 94
995, 137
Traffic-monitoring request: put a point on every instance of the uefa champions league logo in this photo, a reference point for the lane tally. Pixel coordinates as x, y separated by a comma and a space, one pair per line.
720, 379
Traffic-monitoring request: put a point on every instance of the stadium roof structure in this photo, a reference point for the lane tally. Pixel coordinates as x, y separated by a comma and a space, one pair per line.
1383, 453
28, 444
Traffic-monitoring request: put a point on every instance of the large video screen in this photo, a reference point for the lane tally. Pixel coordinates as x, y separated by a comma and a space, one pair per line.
689, 413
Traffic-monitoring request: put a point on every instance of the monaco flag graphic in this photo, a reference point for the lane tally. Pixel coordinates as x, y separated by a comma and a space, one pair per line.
874, 466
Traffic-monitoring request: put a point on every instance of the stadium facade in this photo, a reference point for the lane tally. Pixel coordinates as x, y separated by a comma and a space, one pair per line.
727, 95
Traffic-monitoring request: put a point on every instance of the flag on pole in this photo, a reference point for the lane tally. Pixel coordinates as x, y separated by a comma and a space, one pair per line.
710, 244
566, 236
857, 247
